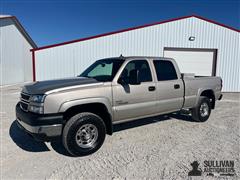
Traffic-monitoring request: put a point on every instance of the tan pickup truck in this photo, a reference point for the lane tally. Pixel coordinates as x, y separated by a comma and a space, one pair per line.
82, 110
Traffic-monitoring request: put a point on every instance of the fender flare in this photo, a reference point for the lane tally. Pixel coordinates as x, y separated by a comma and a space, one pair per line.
66, 105
200, 92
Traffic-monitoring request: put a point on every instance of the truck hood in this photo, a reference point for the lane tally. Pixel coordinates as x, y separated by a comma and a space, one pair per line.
41, 87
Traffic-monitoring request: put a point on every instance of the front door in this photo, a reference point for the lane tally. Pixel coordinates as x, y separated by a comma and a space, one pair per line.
132, 101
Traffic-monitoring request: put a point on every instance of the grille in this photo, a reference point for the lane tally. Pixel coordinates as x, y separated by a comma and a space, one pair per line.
25, 97
24, 101
24, 106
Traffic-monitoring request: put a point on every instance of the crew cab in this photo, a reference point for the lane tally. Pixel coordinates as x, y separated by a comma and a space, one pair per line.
83, 109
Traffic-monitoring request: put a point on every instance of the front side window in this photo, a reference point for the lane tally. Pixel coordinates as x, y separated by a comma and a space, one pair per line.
140, 65
103, 70
165, 70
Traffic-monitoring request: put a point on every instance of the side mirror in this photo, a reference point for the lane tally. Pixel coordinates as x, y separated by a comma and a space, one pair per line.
121, 81
134, 77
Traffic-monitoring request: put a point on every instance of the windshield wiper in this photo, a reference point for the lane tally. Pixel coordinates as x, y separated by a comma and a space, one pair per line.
83, 76
88, 77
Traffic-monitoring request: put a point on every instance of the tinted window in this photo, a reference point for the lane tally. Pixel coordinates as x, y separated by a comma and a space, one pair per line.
103, 70
142, 66
165, 70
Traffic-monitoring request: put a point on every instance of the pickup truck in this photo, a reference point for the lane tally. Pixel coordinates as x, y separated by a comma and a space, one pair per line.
83, 109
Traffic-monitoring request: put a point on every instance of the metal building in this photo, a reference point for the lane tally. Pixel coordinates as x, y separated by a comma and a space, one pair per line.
199, 45
15, 55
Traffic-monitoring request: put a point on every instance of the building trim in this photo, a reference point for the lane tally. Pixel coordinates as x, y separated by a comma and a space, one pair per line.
33, 66
132, 28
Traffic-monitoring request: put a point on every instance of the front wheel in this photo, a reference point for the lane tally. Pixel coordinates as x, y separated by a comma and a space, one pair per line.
202, 111
84, 134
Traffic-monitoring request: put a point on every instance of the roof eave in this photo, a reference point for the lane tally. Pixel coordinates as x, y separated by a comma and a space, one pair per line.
130, 29
22, 30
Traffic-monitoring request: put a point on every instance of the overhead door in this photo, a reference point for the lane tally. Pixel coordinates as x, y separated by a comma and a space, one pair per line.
201, 62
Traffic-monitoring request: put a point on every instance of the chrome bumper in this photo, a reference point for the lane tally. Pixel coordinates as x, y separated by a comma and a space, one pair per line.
48, 130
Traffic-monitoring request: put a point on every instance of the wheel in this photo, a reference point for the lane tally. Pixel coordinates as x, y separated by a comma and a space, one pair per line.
202, 111
83, 134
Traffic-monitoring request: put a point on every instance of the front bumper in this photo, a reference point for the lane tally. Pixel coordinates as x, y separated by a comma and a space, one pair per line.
40, 127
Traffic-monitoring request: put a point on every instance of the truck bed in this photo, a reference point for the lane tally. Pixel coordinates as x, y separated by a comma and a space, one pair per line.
194, 86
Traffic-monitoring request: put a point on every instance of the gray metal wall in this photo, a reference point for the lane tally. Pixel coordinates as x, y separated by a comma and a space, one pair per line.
71, 59
15, 55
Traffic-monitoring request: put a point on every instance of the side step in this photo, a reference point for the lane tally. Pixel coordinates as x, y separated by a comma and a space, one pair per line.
185, 111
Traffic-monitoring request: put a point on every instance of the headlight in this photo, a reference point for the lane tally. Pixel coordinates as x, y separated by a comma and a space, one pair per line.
36, 109
36, 103
37, 98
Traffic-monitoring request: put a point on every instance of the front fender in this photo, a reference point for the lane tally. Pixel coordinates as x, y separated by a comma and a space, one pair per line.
65, 106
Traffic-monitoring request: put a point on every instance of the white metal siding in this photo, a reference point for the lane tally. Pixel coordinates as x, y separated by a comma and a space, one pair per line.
71, 59
15, 57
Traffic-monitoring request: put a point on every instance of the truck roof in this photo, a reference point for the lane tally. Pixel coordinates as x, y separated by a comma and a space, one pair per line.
139, 57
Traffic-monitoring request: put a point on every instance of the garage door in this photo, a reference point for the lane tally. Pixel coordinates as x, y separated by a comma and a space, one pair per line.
197, 61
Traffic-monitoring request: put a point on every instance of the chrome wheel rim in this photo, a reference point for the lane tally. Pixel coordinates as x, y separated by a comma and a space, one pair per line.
86, 135
204, 110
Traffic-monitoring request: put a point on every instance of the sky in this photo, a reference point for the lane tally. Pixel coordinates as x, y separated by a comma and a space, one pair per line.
50, 22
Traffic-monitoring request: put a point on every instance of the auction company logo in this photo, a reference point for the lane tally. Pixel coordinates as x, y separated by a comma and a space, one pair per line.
213, 168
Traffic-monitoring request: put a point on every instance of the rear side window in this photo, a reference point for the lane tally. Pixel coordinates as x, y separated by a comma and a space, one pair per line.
165, 70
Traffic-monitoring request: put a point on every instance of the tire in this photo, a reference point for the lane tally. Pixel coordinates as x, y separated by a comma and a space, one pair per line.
202, 111
83, 134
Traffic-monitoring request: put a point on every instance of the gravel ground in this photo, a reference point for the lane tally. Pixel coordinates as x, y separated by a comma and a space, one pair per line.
154, 148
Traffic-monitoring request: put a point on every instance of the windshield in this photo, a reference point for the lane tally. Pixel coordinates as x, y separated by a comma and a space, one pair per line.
103, 70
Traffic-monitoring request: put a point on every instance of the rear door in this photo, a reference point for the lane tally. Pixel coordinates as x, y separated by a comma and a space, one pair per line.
132, 101
169, 87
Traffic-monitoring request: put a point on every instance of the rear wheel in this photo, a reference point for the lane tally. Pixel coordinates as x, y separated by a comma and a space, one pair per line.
84, 134
202, 111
